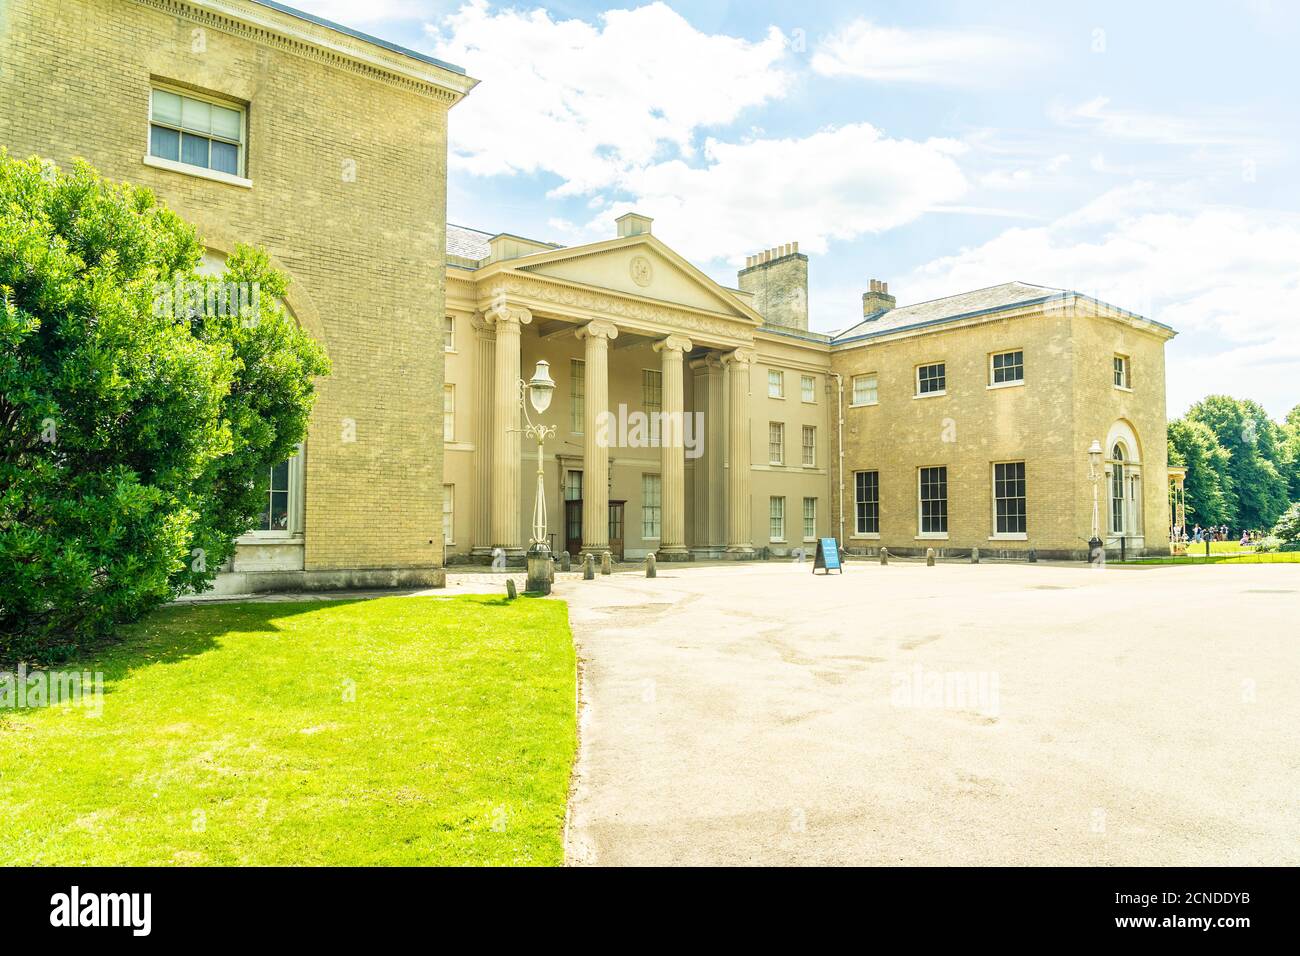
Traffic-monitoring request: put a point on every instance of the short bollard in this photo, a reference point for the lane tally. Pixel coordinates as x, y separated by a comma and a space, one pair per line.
564, 561
1033, 556
884, 555
589, 567
511, 593
650, 569
929, 557
974, 555
606, 563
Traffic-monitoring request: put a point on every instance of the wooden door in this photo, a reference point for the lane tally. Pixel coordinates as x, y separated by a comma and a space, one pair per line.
616, 529
573, 528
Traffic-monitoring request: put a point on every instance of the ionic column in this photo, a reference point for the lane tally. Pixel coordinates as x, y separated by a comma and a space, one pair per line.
709, 525
596, 335
485, 374
739, 532
672, 534
506, 461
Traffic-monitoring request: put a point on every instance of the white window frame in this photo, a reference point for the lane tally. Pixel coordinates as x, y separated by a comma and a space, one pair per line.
808, 389
448, 515
916, 380
176, 165
776, 519
652, 530
997, 535
947, 509
577, 396
448, 412
806, 449
297, 483
777, 428
652, 401
775, 379
853, 390
858, 502
1010, 383
449, 334
810, 535
1127, 385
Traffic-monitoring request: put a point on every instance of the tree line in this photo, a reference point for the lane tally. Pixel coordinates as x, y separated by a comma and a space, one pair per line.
1243, 468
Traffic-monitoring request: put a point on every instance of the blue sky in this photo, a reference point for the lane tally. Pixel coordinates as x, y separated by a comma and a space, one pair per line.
1141, 153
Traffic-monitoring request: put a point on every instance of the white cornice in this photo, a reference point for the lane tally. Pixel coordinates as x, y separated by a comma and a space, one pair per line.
271, 27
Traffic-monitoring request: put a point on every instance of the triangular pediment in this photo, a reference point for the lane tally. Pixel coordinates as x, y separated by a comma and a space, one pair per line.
641, 266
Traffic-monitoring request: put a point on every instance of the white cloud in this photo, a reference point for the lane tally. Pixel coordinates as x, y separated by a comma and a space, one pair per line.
593, 104
610, 110
1227, 278
1099, 117
972, 57
838, 183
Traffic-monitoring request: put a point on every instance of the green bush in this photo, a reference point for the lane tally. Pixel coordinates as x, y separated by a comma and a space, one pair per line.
137, 429
1287, 529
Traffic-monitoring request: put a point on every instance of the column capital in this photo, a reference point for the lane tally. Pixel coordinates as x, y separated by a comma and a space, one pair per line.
597, 329
709, 360
674, 343
740, 357
505, 312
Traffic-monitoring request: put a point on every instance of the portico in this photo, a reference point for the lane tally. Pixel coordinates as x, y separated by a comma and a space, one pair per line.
631, 332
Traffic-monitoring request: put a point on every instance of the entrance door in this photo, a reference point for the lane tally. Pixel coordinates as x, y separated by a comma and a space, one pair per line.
573, 528
573, 512
616, 529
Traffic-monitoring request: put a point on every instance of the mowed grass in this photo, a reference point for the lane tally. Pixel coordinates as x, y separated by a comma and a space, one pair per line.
1244, 557
401, 730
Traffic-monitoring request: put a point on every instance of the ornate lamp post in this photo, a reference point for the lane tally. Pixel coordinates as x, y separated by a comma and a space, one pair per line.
1095, 474
539, 389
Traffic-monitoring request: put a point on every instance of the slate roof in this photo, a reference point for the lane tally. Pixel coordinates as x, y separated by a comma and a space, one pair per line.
951, 307
468, 243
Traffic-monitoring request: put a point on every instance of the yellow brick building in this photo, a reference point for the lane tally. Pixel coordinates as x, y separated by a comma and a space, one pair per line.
326, 147
692, 420
965, 422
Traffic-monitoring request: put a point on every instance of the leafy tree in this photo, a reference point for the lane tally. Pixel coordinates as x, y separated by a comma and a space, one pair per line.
1287, 529
1208, 484
1259, 492
130, 435
1291, 451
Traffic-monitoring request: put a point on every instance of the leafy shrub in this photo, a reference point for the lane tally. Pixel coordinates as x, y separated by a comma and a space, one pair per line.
1287, 529
135, 441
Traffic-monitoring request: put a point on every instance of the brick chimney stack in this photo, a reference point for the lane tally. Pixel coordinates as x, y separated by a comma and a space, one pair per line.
877, 299
778, 279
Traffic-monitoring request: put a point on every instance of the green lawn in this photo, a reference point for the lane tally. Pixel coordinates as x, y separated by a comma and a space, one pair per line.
228, 737
1198, 557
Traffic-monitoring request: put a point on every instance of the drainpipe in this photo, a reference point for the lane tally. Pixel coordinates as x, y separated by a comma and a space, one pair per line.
839, 447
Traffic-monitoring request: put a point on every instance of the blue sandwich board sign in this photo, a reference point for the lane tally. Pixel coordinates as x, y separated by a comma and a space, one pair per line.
828, 556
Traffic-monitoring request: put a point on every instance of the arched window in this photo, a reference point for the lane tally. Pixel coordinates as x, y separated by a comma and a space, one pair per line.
1117, 524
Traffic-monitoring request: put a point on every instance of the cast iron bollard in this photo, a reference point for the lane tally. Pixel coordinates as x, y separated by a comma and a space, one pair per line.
606, 563
1033, 556
884, 555
589, 567
974, 555
564, 561
511, 594
929, 557
650, 569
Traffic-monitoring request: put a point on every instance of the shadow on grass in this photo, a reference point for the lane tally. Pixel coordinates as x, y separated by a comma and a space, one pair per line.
170, 635
179, 632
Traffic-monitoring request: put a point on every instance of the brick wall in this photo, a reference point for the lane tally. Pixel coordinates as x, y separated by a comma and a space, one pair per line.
365, 253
